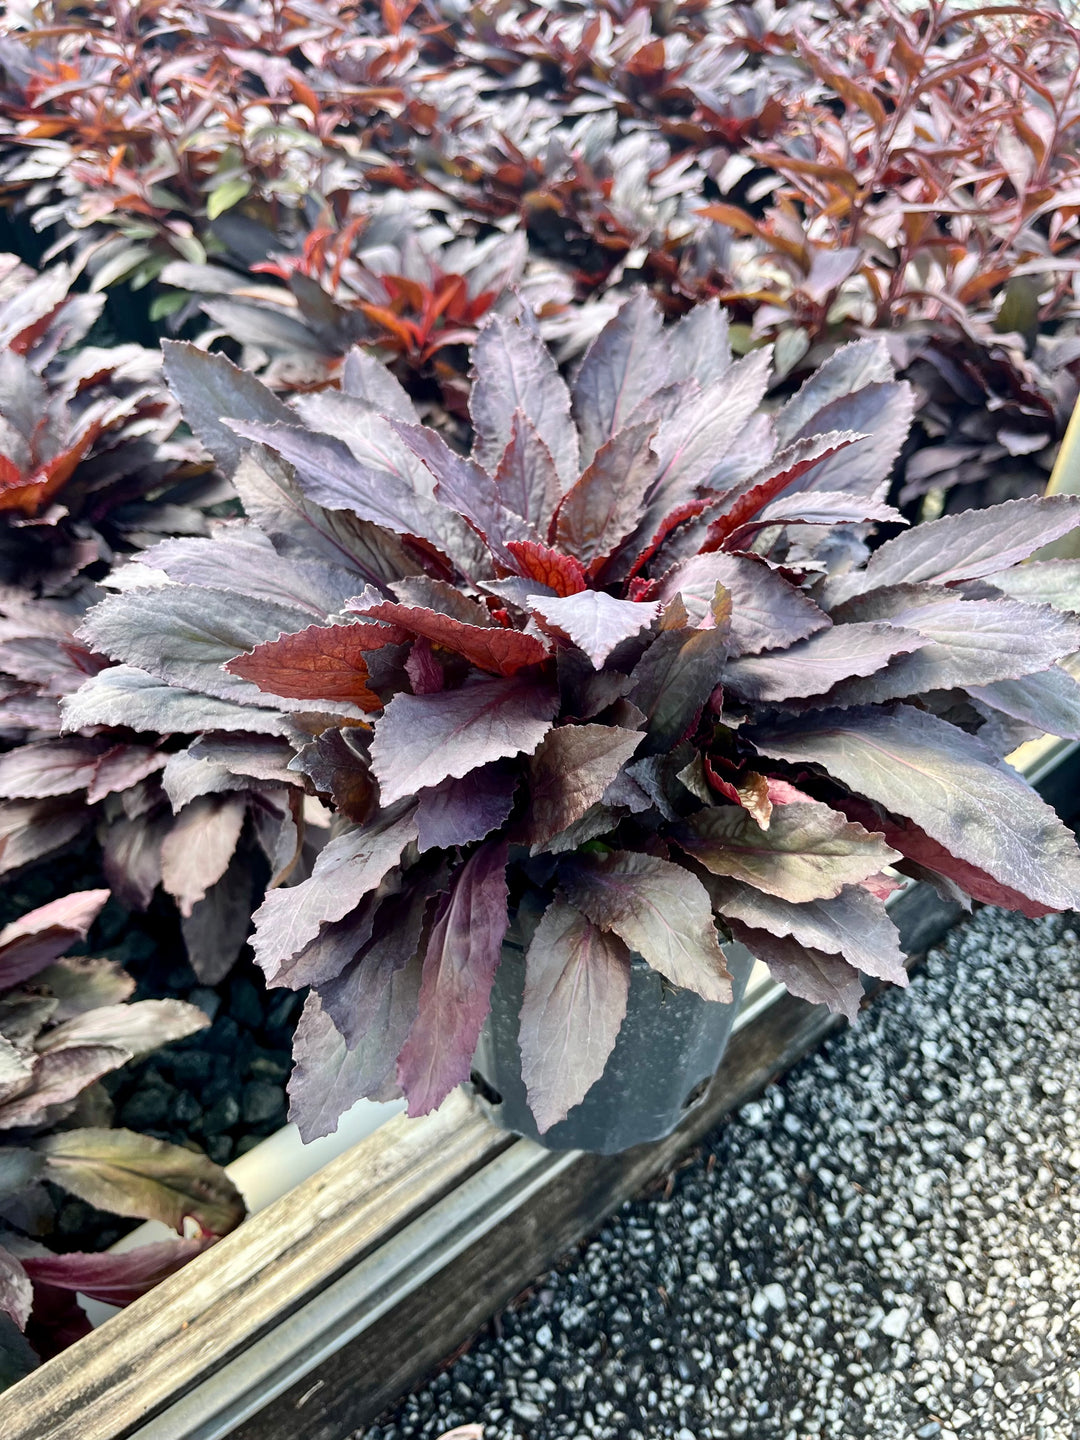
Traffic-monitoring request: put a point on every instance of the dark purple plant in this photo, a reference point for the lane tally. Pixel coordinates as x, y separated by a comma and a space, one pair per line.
632, 661
64, 1023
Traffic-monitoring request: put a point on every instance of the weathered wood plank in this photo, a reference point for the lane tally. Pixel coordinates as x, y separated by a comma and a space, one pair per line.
153, 1351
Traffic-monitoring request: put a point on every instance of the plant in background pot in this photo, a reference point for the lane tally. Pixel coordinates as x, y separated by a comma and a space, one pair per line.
618, 694
64, 1023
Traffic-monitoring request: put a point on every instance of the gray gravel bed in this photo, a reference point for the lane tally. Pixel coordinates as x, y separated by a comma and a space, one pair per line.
887, 1244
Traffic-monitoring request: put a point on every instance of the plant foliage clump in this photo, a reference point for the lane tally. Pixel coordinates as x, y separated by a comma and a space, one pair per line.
64, 1023
631, 661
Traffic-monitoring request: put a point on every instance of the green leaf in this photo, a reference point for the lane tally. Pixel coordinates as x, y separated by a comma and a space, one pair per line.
228, 194
129, 1174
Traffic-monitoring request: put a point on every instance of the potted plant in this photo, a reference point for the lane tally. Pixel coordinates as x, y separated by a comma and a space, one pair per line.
621, 692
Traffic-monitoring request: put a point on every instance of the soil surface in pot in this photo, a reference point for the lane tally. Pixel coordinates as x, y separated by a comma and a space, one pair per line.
887, 1244
222, 1089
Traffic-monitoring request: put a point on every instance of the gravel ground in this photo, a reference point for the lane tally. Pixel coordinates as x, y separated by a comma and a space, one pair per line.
886, 1245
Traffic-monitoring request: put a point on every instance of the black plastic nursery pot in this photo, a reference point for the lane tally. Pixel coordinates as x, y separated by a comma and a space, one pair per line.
668, 1048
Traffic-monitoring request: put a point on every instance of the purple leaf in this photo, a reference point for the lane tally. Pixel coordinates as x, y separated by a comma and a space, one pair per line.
57, 1079
810, 974
1041, 582
624, 365
846, 370
950, 784
16, 1292
603, 507
337, 765
331, 475
134, 1175
515, 371
115, 1279
40, 936
812, 666
766, 611
196, 852
972, 642
459, 811
124, 695
49, 767
678, 673
699, 344
809, 852
212, 389
965, 546
422, 740
882, 412
659, 910
577, 979
184, 635
328, 1078
1049, 700
349, 867
595, 621
137, 1028
854, 924
526, 480
462, 955
569, 773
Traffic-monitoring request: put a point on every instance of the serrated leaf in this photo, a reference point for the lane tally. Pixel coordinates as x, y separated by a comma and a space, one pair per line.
348, 867
489, 647
766, 611
40, 936
129, 1174
854, 924
125, 695
809, 852
57, 1079
813, 666
1049, 700
16, 1292
526, 479
964, 547
338, 766
515, 371
577, 980
138, 1028
322, 662
658, 909
678, 673
624, 365
950, 784
812, 975
603, 507
211, 389
1041, 582
596, 622
422, 740
570, 772
561, 574
460, 961
459, 811
196, 852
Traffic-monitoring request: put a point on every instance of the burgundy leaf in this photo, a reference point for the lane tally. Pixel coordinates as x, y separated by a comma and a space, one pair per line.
337, 765
319, 663
659, 910
459, 811
950, 784
570, 772
679, 671
462, 956
882, 412
16, 1293
810, 974
1048, 700
489, 647
422, 740
812, 666
809, 852
348, 867
115, 1279
577, 979
57, 1079
598, 512
210, 390
463, 486
766, 611
37, 938
561, 573
595, 621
